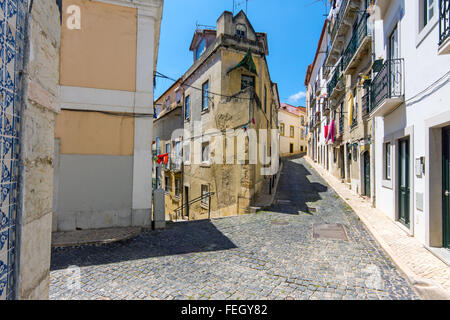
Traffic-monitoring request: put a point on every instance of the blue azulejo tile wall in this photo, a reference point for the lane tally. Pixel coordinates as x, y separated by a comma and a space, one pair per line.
12, 28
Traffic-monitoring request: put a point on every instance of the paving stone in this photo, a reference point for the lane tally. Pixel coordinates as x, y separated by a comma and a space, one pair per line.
243, 257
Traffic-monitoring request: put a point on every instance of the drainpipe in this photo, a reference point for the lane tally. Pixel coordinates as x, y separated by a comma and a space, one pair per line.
372, 138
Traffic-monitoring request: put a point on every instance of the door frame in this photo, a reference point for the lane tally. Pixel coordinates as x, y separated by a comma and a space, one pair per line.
395, 138
364, 190
408, 163
433, 172
445, 206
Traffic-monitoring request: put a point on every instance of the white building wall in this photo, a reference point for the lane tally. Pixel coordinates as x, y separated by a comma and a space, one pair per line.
422, 109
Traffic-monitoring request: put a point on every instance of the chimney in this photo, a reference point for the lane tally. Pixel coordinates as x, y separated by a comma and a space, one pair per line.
225, 23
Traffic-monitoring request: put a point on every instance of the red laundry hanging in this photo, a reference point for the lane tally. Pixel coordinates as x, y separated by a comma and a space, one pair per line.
163, 158
326, 131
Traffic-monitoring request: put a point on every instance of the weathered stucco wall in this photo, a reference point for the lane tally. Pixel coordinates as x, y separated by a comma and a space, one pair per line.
94, 133
38, 122
102, 53
94, 191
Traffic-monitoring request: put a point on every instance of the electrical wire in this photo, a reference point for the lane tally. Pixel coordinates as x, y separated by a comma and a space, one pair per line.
160, 75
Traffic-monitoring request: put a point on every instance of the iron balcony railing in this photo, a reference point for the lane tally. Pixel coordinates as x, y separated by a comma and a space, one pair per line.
355, 42
312, 100
444, 20
338, 20
388, 83
175, 164
366, 103
355, 118
335, 78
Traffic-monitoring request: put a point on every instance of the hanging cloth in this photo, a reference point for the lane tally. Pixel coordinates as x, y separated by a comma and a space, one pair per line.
350, 110
163, 158
326, 131
332, 131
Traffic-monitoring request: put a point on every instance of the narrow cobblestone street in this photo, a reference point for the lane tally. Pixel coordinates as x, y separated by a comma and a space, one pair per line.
268, 255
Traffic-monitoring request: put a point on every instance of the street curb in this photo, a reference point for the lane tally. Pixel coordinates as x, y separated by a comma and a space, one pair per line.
425, 288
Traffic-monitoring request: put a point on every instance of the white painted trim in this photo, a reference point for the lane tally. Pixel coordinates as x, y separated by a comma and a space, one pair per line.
140, 4
143, 128
422, 34
90, 99
433, 152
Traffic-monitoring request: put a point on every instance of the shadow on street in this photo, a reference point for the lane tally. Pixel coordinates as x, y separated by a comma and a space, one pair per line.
295, 189
177, 238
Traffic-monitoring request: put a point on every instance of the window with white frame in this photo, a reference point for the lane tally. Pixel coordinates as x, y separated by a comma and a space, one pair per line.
428, 11
205, 96
205, 152
187, 152
387, 161
205, 191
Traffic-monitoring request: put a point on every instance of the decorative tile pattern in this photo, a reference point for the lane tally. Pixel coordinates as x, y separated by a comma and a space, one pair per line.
12, 27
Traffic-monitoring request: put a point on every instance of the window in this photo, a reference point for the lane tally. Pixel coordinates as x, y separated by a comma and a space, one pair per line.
387, 161
166, 184
302, 121
178, 96
247, 81
205, 191
292, 131
187, 152
205, 152
428, 11
241, 31
178, 154
177, 188
205, 96
355, 109
167, 102
187, 108
200, 49
282, 129
302, 134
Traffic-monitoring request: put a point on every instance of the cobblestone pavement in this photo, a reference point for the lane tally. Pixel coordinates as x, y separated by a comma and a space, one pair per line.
268, 255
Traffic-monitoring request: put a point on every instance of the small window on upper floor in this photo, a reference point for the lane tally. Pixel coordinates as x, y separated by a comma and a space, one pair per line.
241, 31
200, 49
247, 81
427, 9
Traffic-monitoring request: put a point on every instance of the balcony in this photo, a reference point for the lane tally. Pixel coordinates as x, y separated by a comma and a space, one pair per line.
358, 47
336, 84
366, 104
317, 121
341, 125
340, 27
174, 164
444, 27
388, 88
383, 5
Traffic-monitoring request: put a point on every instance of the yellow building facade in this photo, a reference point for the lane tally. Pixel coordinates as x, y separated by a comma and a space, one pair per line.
104, 131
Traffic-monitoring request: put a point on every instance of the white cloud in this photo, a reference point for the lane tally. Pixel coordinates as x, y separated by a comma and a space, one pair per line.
297, 97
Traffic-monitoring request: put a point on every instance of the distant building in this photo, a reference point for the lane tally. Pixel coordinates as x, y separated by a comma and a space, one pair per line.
292, 126
228, 87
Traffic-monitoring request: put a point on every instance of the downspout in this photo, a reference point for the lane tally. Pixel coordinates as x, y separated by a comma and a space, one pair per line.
372, 138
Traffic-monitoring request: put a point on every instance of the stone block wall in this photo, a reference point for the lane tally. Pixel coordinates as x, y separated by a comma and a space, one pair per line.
39, 111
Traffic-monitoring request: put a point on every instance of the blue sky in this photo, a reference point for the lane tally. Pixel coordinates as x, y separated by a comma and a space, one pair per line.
293, 28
